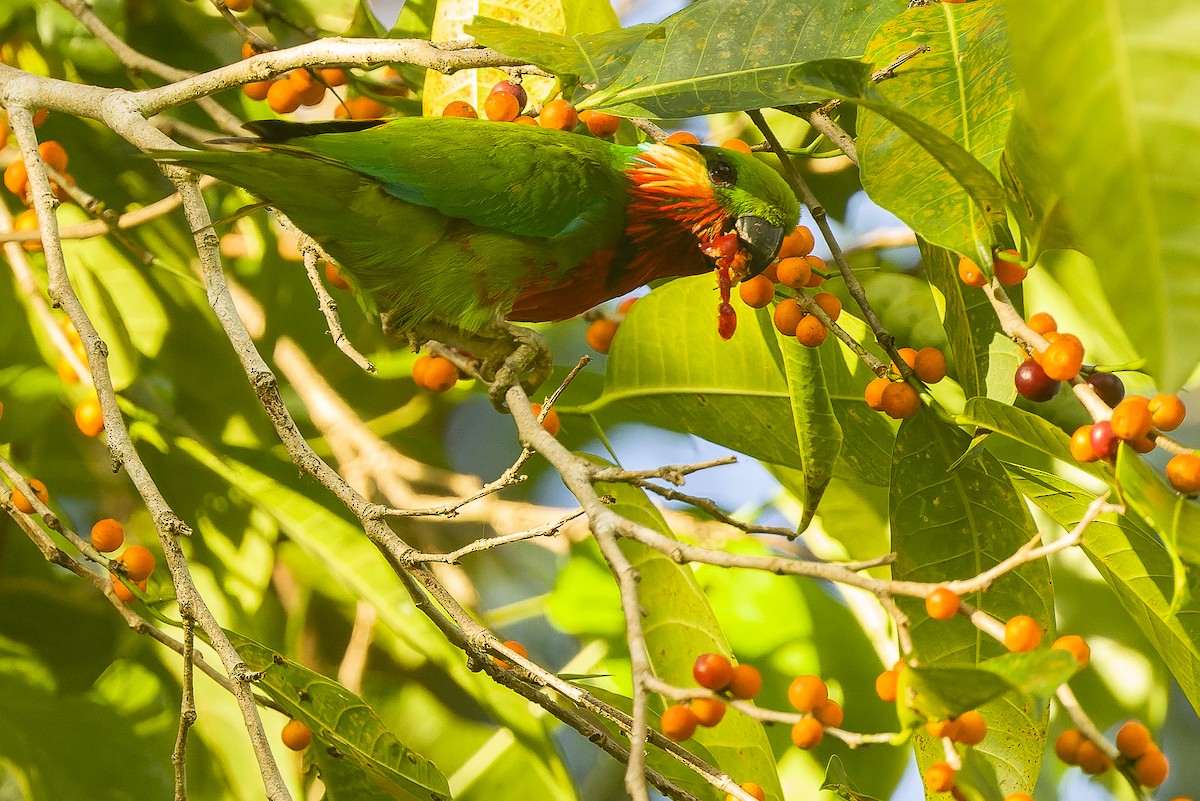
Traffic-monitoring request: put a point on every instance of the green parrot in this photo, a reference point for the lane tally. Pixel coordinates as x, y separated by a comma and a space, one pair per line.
457, 228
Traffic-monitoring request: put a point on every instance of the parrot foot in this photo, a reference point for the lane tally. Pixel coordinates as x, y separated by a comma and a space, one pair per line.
531, 355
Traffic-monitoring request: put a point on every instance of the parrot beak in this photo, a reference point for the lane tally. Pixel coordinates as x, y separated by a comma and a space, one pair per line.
761, 240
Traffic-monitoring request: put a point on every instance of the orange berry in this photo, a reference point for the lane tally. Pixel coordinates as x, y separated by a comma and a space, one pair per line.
600, 334
1043, 323
600, 124
138, 561
712, 671
1133, 739
513, 646
248, 50
1151, 768
16, 177
708, 711
1081, 445
811, 332
333, 76
829, 304
295, 735
257, 90
551, 424
814, 279
970, 274
1166, 411
874, 393
334, 276
39, 491
939, 777
123, 592
757, 292
28, 221
1091, 760
682, 138
787, 316
1076, 646
909, 356
746, 682
239, 5
624, 306
737, 145
282, 97
434, 373
930, 365
1183, 471
1018, 797
752, 789
1131, 420
1022, 633
1008, 272
886, 686
807, 733
40, 116
460, 108
1063, 358
793, 271
299, 78
830, 713
361, 108
53, 154
1143, 445
678, 723
107, 535
501, 106
66, 373
1066, 747
88, 416
558, 115
900, 401
970, 728
942, 603
798, 242
525, 119
806, 693
313, 95
942, 728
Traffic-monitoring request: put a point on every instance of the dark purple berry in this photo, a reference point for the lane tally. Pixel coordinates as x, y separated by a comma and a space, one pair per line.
1103, 441
514, 89
1110, 388
1033, 383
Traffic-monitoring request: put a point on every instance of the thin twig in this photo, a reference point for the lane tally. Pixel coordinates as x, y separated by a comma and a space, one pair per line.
187, 713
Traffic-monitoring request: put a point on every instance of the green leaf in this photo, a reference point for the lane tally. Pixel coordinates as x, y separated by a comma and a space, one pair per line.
1128, 139
963, 88
850, 82
679, 625
940, 693
43, 731
342, 721
838, 783
749, 50
1136, 567
1173, 516
812, 413
1038, 673
954, 522
1033, 200
970, 321
1027, 428
736, 393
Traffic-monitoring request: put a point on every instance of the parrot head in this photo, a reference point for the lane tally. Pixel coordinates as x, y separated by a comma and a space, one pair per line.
712, 192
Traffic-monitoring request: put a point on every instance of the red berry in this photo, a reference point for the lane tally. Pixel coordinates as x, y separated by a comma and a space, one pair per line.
712, 671
1104, 443
515, 90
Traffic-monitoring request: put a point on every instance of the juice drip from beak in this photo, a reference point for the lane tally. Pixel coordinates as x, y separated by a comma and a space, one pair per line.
731, 268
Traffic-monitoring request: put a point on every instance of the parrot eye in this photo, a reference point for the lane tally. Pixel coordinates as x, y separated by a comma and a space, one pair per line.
722, 172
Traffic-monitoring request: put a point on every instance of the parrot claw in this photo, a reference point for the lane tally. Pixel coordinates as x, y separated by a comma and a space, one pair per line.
531, 355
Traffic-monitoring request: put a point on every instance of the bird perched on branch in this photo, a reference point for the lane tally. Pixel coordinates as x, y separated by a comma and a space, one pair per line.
457, 228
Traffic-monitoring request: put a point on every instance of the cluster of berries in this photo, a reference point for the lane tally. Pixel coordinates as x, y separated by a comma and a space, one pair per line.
136, 562
895, 397
1137, 752
16, 177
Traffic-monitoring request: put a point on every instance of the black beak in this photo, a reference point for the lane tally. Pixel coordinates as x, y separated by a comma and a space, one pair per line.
761, 239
